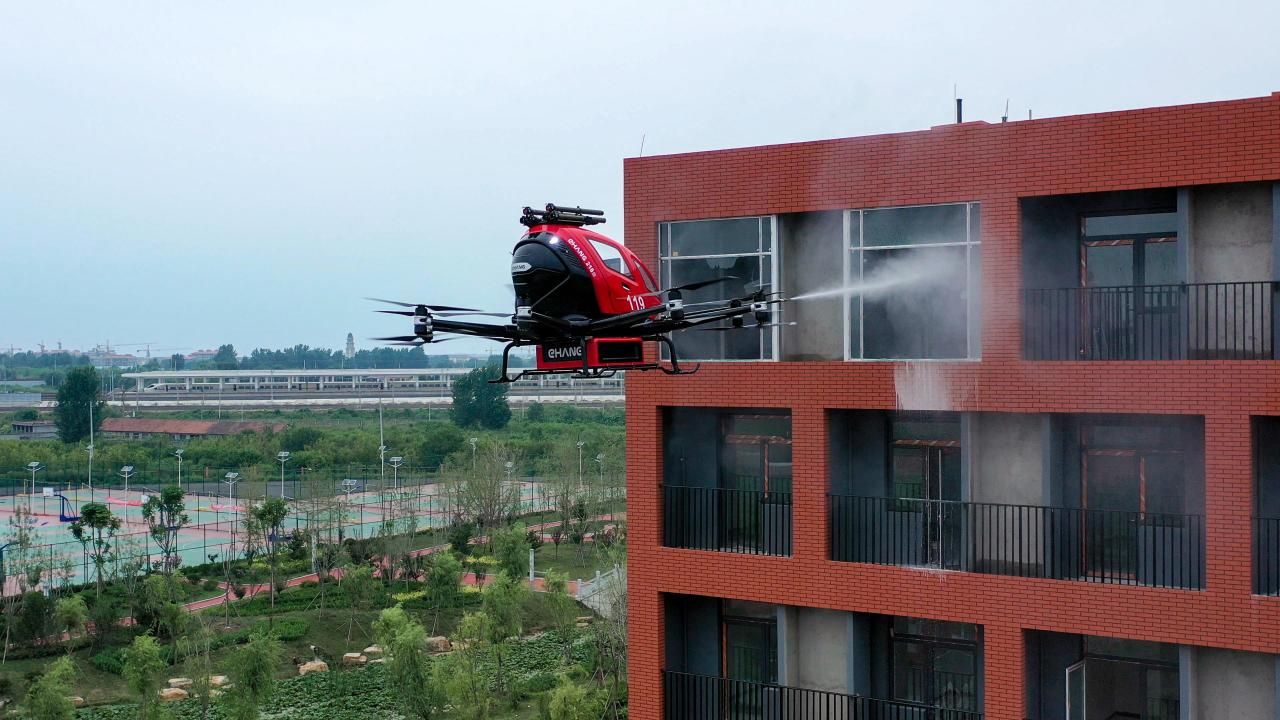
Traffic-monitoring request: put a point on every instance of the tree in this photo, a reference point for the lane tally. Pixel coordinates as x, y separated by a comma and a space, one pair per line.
563, 610
253, 676
196, 649
459, 536
571, 701
177, 361
511, 549
144, 667
360, 588
491, 494
96, 527
410, 671
443, 583
48, 697
72, 614
504, 600
166, 516
226, 358
389, 622
478, 402
460, 674
439, 442
270, 516
80, 391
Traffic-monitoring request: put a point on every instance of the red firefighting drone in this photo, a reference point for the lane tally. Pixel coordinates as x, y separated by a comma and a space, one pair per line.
586, 302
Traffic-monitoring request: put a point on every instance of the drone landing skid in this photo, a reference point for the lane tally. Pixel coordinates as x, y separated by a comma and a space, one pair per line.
593, 358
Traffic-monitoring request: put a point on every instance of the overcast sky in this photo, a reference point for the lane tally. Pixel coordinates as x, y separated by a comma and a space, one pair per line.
195, 173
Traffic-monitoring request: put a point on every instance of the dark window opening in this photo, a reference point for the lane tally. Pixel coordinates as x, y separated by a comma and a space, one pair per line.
935, 663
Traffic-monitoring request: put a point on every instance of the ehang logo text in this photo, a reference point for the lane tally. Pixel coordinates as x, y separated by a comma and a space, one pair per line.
561, 353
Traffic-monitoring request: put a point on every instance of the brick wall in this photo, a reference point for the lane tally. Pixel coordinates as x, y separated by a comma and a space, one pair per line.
995, 165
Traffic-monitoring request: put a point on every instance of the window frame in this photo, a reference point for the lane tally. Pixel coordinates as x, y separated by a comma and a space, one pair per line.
773, 255
856, 247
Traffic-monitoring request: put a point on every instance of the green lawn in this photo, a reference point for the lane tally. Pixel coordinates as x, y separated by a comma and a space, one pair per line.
572, 561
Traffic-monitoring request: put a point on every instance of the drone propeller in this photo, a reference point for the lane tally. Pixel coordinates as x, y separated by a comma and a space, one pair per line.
447, 313
693, 285
412, 340
433, 308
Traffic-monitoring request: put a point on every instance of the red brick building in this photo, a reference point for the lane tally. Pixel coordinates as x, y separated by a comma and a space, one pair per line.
1018, 458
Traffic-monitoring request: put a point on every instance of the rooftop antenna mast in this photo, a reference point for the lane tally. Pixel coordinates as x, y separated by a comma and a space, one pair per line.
1005, 117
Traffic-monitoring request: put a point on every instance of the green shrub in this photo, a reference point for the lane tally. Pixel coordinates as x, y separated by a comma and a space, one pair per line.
538, 682
110, 660
209, 584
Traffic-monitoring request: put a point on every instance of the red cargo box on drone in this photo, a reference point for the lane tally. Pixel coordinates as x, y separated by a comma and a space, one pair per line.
600, 353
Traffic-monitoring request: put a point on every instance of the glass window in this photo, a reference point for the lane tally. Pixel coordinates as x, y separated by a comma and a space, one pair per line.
612, 257
1156, 223
713, 237
737, 249
925, 225
1122, 649
918, 269
919, 311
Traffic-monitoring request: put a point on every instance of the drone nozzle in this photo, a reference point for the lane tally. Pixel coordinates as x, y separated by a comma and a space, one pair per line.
557, 215
576, 210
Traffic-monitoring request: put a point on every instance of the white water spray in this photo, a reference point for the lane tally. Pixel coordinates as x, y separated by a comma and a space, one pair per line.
908, 269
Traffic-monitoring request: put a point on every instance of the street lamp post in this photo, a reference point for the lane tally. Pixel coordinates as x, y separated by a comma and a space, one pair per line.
230, 480
178, 454
473, 442
90, 449
581, 444
511, 466
283, 457
600, 462
34, 467
126, 472
396, 462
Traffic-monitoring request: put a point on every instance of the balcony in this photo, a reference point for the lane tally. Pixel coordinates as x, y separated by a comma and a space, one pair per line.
703, 697
727, 520
727, 480
1078, 676
1102, 546
1266, 556
1199, 321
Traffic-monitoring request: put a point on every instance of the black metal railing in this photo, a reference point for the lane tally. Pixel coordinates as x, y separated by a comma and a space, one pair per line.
1106, 546
1194, 321
726, 520
703, 697
1266, 556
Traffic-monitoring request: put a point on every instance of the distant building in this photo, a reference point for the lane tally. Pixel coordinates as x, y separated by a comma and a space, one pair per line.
350, 352
34, 429
142, 428
201, 355
110, 359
